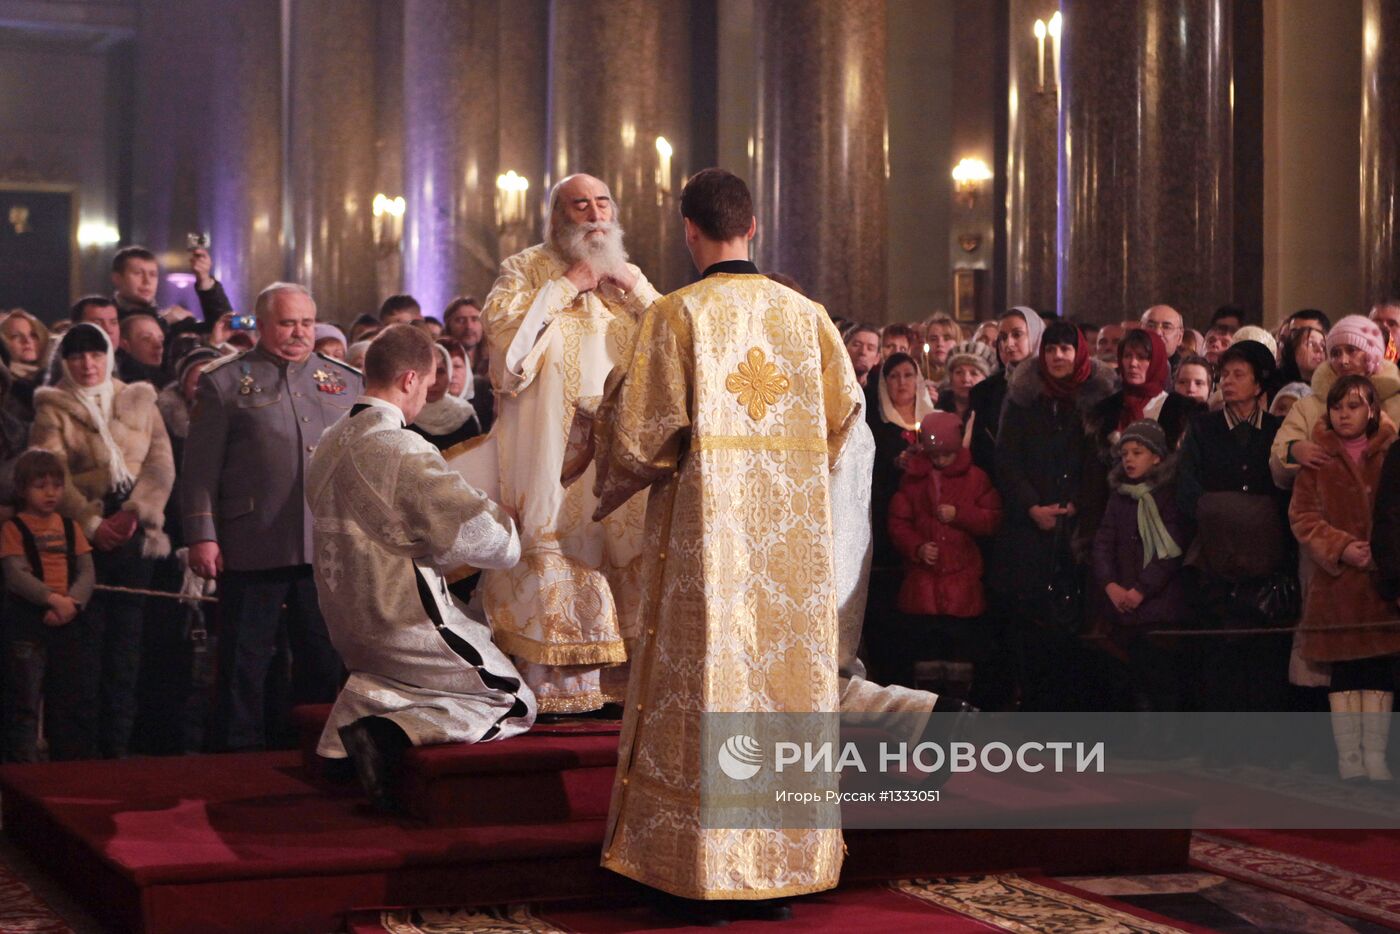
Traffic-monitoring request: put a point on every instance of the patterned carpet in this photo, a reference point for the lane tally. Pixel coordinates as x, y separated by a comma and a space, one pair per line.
1238, 888
22, 912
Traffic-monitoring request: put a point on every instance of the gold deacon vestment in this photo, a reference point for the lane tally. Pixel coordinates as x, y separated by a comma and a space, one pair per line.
567, 611
738, 398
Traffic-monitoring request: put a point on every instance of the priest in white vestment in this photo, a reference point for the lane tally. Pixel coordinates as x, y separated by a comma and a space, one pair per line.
390, 519
559, 319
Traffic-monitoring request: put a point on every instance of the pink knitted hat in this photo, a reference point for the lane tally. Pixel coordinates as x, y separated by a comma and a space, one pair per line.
1362, 333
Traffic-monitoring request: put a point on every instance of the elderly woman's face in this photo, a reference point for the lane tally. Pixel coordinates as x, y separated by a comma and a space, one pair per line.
460, 374
88, 368
439, 387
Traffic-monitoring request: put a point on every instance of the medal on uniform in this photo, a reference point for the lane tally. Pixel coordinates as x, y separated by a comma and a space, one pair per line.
245, 384
328, 382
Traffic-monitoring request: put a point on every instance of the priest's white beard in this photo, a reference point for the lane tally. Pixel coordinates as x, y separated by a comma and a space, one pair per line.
605, 254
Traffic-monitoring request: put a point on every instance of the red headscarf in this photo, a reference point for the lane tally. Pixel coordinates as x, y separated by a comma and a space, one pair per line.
1135, 398
1063, 389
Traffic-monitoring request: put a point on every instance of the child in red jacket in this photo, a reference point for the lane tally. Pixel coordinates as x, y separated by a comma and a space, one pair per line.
943, 505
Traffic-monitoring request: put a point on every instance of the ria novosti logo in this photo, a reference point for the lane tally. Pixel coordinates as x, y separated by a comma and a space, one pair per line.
740, 757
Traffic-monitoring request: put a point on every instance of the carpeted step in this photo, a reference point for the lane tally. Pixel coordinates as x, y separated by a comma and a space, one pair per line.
559, 771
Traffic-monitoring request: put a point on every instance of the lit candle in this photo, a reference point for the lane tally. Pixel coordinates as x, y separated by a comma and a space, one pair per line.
1055, 47
1040, 55
663, 165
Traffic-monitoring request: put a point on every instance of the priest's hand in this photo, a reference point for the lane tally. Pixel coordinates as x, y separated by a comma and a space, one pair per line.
624, 278
206, 560
583, 277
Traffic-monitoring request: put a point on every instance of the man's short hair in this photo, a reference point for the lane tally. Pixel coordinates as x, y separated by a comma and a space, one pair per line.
1228, 311
396, 350
461, 301
1312, 314
897, 331
719, 203
128, 253
128, 324
396, 303
783, 278
80, 307
861, 328
263, 305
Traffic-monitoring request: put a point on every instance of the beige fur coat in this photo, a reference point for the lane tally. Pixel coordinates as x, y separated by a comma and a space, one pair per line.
63, 425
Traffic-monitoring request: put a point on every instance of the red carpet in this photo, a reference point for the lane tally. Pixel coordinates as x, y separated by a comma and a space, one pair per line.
1355, 872
251, 842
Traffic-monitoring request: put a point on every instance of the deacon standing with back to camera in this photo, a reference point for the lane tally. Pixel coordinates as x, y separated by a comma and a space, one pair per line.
741, 411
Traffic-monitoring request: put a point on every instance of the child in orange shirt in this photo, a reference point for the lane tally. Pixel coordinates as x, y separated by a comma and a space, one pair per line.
51, 654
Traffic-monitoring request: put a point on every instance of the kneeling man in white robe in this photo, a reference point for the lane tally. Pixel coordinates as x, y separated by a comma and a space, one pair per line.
391, 517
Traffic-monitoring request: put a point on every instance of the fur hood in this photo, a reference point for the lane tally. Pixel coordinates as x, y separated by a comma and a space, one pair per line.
1025, 386
1386, 379
174, 411
63, 425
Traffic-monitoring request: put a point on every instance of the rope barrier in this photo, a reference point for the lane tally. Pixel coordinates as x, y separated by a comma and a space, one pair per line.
140, 592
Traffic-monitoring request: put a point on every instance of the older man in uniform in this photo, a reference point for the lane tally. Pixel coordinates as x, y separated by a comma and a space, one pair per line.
257, 418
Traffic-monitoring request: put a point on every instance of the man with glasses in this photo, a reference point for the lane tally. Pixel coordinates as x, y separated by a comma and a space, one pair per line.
1167, 322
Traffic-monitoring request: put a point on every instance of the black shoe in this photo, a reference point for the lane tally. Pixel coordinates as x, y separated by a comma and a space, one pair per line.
692, 912
376, 746
769, 909
950, 721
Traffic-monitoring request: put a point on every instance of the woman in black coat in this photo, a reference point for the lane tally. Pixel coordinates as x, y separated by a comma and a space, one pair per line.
1040, 459
1018, 340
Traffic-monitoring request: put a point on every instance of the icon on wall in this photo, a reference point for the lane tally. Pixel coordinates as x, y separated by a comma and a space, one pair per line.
19, 218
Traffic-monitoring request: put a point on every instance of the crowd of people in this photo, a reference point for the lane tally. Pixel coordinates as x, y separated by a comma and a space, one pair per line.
1066, 516
1139, 516
112, 444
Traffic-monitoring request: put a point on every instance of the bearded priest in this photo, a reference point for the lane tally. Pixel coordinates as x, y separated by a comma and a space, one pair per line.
558, 320
390, 519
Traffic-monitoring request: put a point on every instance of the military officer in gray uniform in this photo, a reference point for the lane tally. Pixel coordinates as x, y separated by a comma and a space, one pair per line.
257, 418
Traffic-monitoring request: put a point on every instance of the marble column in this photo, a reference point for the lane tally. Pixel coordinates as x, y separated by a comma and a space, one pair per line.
1380, 150
619, 79
388, 136
451, 127
1032, 159
331, 154
820, 161
1146, 203
523, 93
243, 154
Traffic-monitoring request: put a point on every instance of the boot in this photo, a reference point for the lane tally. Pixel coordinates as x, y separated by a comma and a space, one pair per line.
376, 746
1346, 732
1375, 731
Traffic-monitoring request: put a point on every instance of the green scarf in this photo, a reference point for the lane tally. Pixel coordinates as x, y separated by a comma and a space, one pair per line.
1157, 542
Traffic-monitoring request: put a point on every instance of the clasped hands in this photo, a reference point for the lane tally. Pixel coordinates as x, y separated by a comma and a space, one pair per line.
586, 279
1124, 601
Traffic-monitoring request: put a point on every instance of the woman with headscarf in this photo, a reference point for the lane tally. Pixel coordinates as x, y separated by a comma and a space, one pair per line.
1355, 345
27, 340
1018, 340
903, 401
449, 418
1040, 459
115, 448
1146, 393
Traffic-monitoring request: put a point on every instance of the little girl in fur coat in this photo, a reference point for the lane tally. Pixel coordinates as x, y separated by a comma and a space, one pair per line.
943, 505
1137, 558
1331, 515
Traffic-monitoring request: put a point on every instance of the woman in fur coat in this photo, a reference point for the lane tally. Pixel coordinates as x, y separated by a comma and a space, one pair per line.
120, 472
1040, 457
1331, 515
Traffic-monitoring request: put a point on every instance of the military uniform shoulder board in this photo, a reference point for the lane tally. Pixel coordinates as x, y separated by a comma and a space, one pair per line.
338, 362
225, 360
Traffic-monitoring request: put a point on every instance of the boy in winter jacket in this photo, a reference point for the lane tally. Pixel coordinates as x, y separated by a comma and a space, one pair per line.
943, 505
1137, 560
